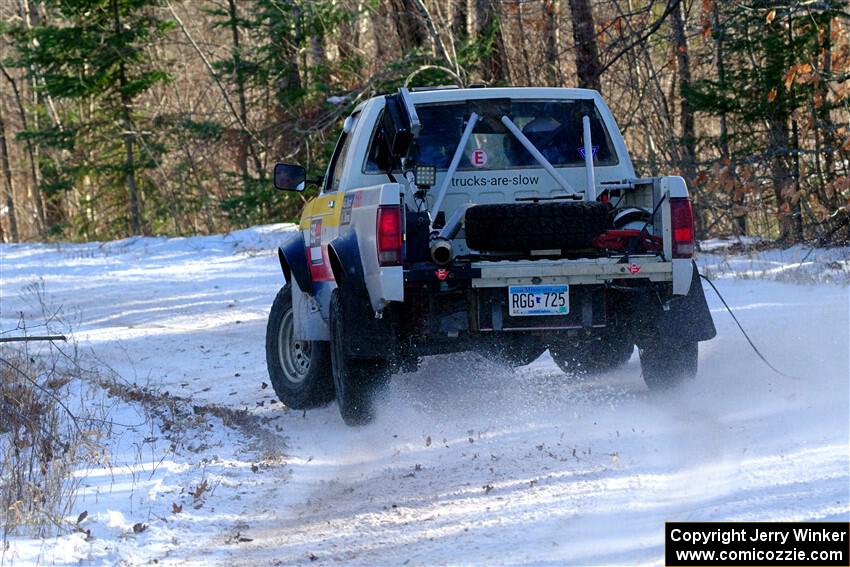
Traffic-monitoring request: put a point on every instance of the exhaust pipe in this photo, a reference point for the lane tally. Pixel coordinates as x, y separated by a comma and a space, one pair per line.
441, 251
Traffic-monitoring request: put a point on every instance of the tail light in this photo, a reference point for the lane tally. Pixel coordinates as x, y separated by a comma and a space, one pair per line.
682, 224
390, 236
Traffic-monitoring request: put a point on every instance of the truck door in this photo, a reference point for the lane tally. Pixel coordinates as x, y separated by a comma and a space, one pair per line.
327, 207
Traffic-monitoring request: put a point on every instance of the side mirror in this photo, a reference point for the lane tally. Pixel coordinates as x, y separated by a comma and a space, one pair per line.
289, 177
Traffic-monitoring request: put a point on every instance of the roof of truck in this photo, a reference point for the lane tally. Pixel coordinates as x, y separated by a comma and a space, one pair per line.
443, 94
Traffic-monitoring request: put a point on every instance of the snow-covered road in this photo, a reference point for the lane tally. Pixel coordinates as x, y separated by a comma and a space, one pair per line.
467, 461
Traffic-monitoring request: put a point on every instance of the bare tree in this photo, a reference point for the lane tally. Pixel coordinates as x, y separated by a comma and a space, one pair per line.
8, 181
494, 66
408, 24
778, 143
348, 43
246, 148
460, 17
551, 43
683, 67
588, 66
725, 153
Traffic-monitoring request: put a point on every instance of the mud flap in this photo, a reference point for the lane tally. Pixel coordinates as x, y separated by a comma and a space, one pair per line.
684, 319
374, 338
688, 319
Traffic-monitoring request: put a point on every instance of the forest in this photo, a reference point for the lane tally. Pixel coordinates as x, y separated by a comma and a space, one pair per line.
165, 117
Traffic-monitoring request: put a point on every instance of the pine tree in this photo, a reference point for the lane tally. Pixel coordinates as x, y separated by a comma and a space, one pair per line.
94, 55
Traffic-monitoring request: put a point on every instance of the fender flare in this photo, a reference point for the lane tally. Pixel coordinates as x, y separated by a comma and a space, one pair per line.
294, 263
344, 257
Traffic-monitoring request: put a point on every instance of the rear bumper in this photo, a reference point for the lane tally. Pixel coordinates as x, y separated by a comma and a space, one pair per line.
587, 271
472, 297
453, 309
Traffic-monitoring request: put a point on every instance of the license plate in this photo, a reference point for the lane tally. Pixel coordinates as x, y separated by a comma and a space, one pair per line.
525, 300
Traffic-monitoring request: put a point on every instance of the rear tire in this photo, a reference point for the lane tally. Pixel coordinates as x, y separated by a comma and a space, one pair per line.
357, 380
514, 353
300, 371
592, 355
666, 365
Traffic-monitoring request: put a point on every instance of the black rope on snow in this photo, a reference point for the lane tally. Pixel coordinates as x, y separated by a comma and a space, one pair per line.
746, 336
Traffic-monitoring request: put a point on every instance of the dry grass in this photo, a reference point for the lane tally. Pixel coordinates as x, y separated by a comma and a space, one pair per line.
41, 443
49, 427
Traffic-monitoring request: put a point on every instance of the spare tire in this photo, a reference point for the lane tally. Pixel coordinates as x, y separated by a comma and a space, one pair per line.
516, 227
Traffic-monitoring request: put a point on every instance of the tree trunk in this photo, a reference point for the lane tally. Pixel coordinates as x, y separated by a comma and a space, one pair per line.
551, 43
460, 17
523, 46
32, 152
588, 66
824, 123
349, 32
778, 138
238, 79
380, 21
686, 115
408, 24
289, 85
318, 57
436, 40
136, 219
247, 148
778, 143
739, 197
494, 65
7, 174
798, 206
52, 204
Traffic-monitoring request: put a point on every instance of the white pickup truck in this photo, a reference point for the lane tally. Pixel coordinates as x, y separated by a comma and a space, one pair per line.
504, 220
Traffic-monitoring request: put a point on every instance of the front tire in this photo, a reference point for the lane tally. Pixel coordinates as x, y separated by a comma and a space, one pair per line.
300, 371
666, 365
357, 380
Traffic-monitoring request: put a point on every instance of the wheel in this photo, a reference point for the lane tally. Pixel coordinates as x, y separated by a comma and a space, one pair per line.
523, 355
665, 365
592, 355
513, 352
300, 371
356, 380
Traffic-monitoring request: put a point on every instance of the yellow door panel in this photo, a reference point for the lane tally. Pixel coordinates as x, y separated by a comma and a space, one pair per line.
327, 207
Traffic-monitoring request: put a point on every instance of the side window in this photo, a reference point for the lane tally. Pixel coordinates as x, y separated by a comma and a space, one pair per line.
340, 158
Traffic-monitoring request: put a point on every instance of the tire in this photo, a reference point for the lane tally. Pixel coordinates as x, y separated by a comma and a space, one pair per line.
300, 371
519, 227
357, 380
514, 353
593, 355
665, 365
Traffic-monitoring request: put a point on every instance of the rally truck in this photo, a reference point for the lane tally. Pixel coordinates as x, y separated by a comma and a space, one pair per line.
501, 220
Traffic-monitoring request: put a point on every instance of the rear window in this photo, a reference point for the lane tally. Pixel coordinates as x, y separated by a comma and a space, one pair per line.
553, 126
